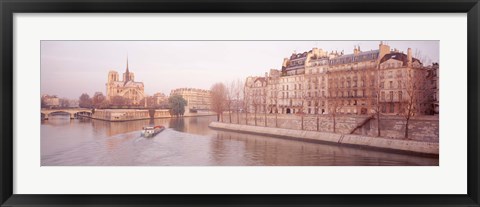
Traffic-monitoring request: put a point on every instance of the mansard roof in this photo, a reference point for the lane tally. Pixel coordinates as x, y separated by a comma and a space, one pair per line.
261, 79
398, 56
298, 55
351, 58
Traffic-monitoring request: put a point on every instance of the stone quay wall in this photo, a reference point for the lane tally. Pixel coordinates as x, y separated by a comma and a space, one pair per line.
422, 128
410, 146
136, 114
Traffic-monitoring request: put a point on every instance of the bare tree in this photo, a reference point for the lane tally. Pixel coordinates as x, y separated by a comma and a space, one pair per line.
335, 102
256, 102
246, 100
238, 95
230, 99
303, 97
275, 104
97, 99
376, 88
219, 96
264, 102
424, 59
105, 104
416, 94
85, 101
64, 102
118, 101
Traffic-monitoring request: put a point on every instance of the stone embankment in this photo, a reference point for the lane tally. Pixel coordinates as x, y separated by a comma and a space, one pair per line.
411, 146
118, 115
420, 128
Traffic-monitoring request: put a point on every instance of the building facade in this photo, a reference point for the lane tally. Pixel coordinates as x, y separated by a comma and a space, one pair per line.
255, 96
197, 99
48, 101
160, 99
126, 88
383, 80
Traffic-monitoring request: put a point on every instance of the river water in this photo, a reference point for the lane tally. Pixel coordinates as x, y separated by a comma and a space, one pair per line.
189, 142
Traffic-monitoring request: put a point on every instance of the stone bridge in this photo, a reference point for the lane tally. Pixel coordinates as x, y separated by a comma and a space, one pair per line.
45, 113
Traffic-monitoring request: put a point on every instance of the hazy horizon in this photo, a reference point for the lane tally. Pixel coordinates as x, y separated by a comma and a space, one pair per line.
70, 68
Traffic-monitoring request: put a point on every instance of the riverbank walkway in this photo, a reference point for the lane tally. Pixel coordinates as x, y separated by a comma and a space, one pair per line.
404, 145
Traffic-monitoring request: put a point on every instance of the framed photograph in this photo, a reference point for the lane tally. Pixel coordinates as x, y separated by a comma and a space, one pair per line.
199, 103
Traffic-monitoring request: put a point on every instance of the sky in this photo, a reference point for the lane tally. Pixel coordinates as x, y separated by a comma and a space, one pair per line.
70, 68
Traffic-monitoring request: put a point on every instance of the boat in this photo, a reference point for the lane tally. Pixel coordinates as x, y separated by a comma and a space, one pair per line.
151, 131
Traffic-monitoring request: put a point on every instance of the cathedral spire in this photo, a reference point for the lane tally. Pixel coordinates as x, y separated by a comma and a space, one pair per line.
127, 73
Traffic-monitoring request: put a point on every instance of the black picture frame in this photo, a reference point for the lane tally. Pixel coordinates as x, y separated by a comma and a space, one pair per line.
9, 7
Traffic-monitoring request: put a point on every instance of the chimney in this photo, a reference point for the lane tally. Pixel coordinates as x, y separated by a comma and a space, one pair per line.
383, 50
285, 62
316, 52
355, 50
409, 56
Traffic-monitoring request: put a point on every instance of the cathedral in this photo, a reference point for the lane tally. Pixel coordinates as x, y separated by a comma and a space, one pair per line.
126, 88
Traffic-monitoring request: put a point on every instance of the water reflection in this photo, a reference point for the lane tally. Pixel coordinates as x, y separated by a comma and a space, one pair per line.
189, 141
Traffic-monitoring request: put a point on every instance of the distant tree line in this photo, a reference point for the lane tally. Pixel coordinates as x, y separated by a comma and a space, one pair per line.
176, 104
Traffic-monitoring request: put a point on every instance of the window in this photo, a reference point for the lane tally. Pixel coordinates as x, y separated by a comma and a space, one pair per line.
382, 84
391, 84
382, 95
392, 107
400, 96
400, 84
391, 95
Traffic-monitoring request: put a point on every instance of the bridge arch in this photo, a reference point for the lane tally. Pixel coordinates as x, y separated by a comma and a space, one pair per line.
48, 114
43, 116
45, 113
83, 113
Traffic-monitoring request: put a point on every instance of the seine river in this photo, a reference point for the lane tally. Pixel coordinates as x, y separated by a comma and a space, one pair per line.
189, 142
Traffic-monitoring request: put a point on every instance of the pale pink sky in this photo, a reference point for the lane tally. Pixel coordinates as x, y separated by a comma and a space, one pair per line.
70, 68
